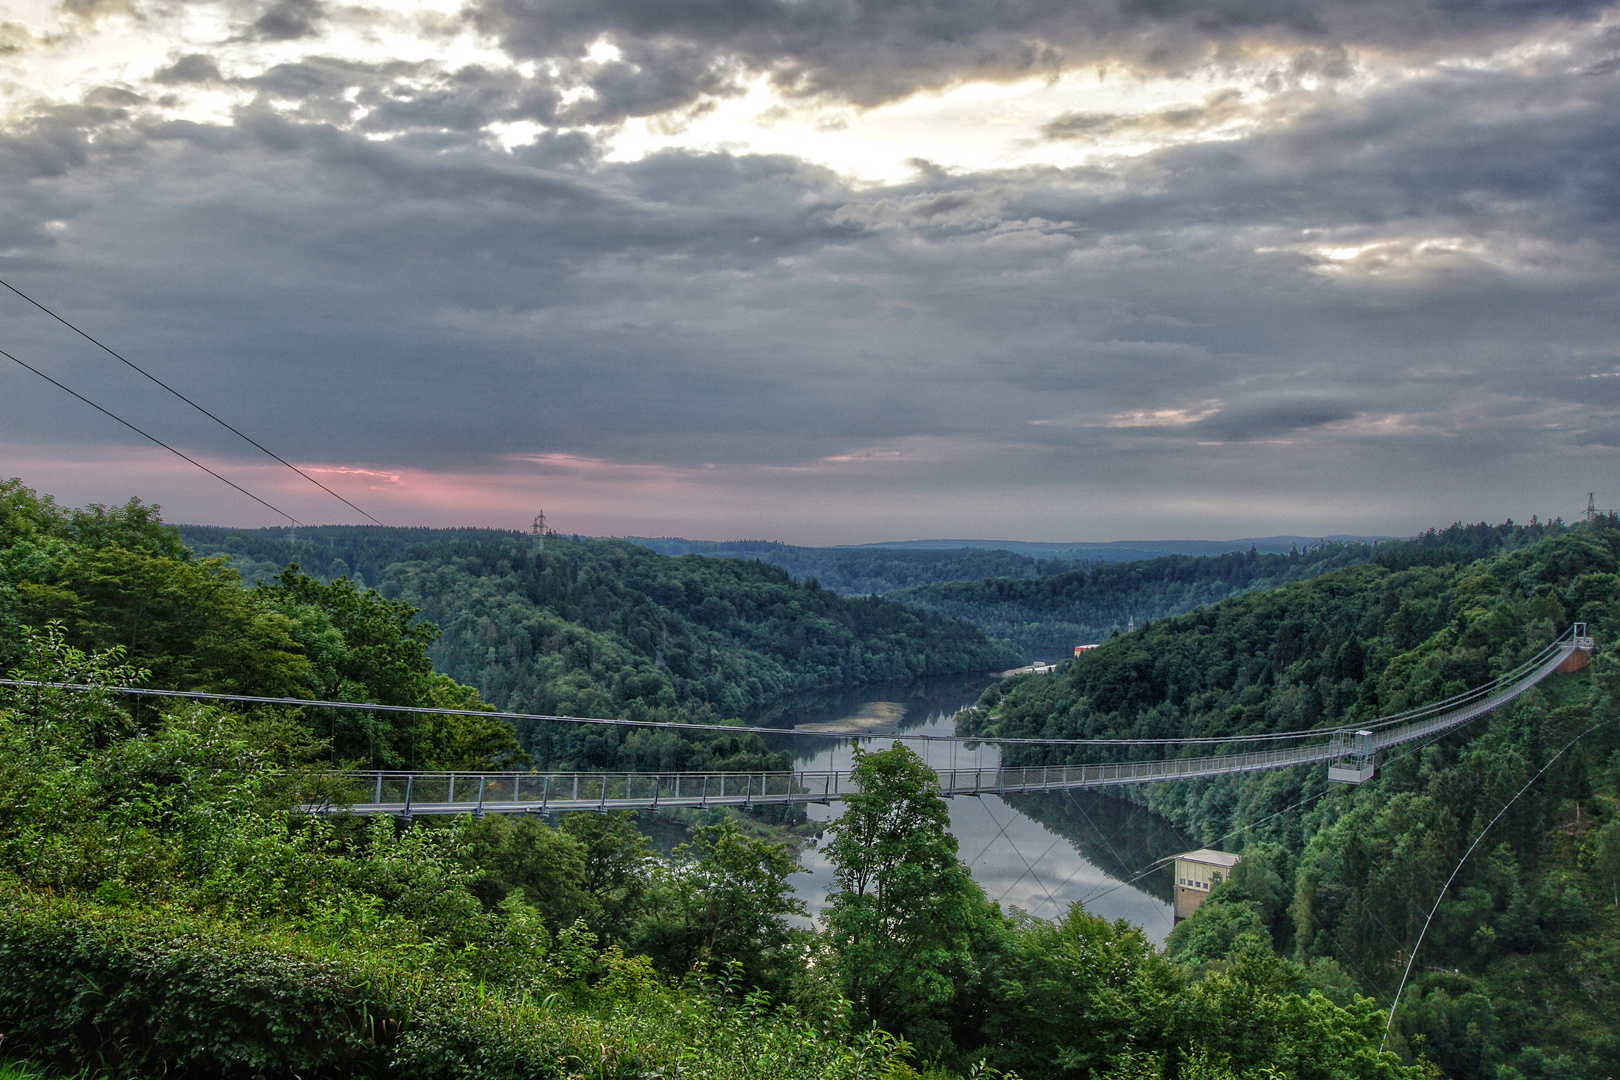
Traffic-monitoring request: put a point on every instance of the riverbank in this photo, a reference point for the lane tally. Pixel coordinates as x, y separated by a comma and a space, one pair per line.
1039, 667
873, 718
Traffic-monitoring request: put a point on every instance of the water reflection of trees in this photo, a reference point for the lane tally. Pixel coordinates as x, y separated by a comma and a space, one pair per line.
1117, 837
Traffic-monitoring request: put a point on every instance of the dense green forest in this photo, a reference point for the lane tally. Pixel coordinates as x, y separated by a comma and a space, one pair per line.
1519, 975
119, 578
608, 628
592, 628
1050, 614
362, 553
861, 571
170, 911
881, 568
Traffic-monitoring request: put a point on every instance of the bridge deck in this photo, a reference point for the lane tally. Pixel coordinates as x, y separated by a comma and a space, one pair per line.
408, 793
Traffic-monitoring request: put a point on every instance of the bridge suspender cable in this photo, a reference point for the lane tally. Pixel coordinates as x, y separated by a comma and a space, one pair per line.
147, 374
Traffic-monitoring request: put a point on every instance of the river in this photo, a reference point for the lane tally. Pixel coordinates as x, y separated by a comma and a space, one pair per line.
1039, 853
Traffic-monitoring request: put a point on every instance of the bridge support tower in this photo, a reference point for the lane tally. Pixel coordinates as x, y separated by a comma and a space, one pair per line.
1582, 654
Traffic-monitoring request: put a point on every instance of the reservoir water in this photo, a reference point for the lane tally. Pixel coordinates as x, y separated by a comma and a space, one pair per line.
1039, 853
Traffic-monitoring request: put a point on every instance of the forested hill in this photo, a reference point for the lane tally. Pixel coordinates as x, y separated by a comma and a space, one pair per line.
361, 552
861, 571
881, 568
609, 628
1518, 976
592, 628
1092, 602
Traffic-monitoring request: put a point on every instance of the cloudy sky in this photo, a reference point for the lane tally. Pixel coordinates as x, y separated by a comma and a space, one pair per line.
825, 271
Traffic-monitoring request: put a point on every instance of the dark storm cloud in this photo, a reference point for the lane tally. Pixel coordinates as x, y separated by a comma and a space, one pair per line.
389, 97
1223, 106
870, 51
288, 20
650, 77
194, 68
1405, 284
1265, 420
91, 9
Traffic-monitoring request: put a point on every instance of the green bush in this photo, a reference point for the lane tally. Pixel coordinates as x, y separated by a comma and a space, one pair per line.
144, 991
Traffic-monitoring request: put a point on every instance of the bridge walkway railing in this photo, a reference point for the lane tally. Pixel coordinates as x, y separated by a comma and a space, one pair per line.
412, 793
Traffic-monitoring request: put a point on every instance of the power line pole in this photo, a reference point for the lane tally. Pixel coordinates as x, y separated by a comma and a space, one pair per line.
540, 530
1591, 506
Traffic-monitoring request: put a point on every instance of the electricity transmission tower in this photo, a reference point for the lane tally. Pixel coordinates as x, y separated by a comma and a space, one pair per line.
540, 530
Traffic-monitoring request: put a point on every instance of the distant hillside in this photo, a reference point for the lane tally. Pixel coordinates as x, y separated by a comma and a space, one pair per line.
1096, 600
868, 569
327, 552
1049, 616
1125, 550
864, 571
609, 628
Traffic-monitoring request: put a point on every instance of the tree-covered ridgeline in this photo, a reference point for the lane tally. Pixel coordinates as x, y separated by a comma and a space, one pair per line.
363, 552
881, 568
1090, 603
609, 628
593, 625
1517, 976
863, 571
462, 617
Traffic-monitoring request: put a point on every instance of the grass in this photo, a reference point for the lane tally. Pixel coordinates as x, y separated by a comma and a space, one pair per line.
29, 1070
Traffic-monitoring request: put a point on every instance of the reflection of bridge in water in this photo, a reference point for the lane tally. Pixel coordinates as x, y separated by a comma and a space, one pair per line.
1350, 751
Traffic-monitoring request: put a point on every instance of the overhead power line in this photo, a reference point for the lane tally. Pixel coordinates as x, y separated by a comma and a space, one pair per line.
146, 435
142, 371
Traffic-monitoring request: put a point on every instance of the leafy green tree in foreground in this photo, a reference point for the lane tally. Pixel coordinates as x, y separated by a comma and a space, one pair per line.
725, 897
906, 918
1065, 999
360, 646
118, 578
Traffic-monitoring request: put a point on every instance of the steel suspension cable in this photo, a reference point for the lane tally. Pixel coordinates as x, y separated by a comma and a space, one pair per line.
996, 740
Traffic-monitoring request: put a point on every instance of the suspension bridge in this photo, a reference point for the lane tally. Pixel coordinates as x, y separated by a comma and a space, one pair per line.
1350, 752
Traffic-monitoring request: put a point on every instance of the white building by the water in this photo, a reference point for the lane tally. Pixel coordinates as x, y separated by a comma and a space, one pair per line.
1197, 872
